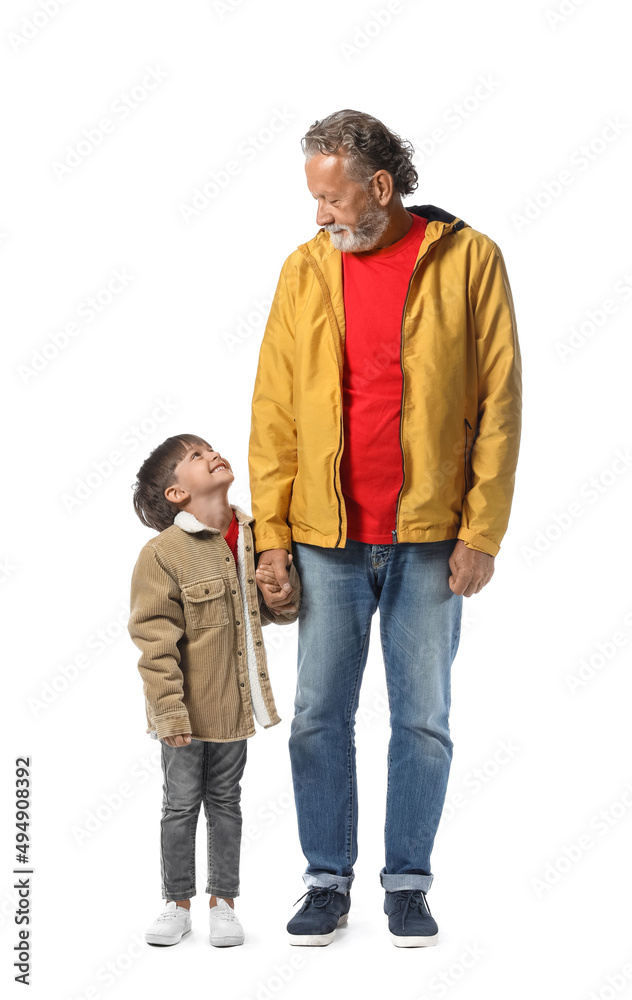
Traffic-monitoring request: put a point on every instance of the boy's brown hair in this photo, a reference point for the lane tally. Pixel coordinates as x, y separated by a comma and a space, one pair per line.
153, 478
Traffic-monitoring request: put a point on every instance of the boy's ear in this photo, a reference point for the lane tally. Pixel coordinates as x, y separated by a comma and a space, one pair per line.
175, 494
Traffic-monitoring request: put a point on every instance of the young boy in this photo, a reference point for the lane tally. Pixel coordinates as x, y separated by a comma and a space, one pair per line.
196, 616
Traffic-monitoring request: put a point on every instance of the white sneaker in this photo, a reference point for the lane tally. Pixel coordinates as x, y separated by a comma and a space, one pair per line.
171, 926
224, 925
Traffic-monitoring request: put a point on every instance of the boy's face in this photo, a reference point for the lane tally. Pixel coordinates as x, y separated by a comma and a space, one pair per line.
201, 473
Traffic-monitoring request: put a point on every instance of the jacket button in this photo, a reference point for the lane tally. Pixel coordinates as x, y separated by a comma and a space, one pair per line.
247, 548
251, 580
262, 674
239, 652
227, 558
258, 642
233, 591
206, 590
238, 622
254, 612
241, 684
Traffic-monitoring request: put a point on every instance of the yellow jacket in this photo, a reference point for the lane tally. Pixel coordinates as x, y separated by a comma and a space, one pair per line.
461, 401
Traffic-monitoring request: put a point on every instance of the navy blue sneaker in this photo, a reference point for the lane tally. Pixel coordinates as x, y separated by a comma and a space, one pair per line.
409, 919
321, 914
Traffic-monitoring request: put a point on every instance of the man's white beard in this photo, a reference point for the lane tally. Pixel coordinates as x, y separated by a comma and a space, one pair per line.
371, 225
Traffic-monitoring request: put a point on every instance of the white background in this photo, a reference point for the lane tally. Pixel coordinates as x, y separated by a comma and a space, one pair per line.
529, 878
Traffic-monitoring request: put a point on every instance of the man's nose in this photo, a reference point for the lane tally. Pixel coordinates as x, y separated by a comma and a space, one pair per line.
324, 216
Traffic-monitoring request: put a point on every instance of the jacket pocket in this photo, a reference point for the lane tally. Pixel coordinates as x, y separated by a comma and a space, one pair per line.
205, 604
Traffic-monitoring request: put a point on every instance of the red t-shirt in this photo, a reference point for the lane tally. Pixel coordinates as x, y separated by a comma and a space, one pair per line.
232, 535
375, 284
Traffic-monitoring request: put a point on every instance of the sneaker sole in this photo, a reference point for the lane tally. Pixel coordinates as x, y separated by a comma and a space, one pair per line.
317, 940
409, 941
228, 942
157, 939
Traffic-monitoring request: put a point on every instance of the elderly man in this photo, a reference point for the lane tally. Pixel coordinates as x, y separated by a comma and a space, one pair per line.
383, 449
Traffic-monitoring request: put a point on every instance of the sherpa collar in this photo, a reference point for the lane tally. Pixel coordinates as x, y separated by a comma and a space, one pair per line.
189, 522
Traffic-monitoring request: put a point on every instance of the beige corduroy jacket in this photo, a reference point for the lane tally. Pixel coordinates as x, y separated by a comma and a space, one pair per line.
197, 620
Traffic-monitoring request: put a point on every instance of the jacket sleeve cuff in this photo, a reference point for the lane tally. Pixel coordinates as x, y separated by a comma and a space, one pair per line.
271, 539
479, 542
172, 724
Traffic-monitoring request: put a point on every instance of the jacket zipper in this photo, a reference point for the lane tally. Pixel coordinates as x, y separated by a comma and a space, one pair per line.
335, 487
326, 296
401, 362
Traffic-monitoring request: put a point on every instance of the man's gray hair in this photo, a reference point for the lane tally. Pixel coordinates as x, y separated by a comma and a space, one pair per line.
370, 146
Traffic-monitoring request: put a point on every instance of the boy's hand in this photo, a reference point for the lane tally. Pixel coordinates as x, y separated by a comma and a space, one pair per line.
273, 580
266, 576
177, 741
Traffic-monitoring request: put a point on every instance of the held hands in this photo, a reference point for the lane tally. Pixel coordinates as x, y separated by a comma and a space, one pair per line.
273, 580
471, 569
265, 574
182, 740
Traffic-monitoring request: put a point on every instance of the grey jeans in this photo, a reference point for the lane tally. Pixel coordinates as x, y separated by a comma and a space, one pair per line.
208, 773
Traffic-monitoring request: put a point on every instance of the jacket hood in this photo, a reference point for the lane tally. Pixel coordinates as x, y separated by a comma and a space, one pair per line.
434, 214
189, 522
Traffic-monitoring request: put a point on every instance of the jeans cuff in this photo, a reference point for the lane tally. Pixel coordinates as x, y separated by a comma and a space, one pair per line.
185, 894
326, 880
224, 893
394, 883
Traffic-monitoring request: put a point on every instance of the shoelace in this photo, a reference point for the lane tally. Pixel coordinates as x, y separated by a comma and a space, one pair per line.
225, 914
413, 900
318, 895
168, 915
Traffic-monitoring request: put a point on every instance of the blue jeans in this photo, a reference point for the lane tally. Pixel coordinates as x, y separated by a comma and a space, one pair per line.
420, 625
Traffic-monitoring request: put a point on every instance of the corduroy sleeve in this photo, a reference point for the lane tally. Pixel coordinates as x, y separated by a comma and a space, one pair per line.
156, 625
486, 506
272, 454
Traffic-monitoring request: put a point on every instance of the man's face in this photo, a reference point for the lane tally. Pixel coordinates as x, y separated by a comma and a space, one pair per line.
201, 472
347, 209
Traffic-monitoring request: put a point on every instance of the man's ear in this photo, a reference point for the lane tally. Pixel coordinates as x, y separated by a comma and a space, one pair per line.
383, 187
175, 494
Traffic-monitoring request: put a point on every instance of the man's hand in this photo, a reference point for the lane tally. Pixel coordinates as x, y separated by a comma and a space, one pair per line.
177, 741
273, 580
471, 569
